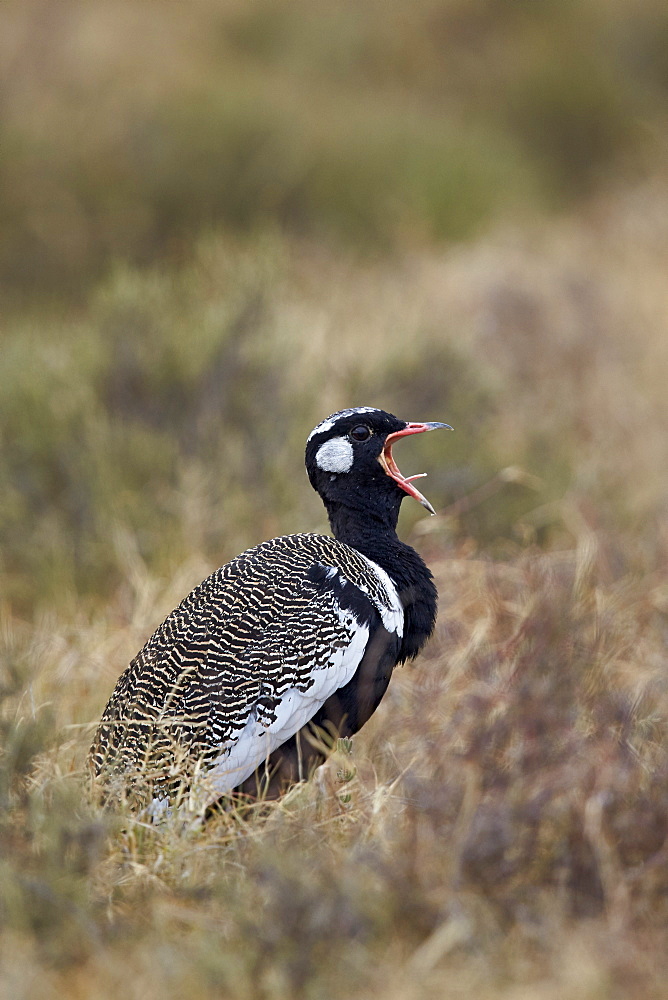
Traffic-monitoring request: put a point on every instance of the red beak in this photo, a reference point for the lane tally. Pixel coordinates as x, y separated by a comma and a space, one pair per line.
390, 466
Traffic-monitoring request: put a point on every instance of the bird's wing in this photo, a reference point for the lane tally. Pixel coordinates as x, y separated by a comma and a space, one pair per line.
245, 661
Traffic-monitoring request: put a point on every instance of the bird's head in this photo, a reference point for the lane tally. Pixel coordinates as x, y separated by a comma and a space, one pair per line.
350, 464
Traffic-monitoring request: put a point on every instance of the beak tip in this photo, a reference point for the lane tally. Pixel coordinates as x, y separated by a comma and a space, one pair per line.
386, 460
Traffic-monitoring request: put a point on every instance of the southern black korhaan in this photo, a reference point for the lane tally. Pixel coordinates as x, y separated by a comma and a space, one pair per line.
296, 636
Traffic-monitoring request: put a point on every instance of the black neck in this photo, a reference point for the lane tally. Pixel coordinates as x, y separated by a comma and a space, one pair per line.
376, 538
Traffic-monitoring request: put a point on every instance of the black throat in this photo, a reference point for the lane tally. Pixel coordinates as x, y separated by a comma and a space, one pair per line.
376, 538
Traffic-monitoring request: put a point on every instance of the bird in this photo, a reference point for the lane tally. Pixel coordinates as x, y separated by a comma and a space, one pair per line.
293, 639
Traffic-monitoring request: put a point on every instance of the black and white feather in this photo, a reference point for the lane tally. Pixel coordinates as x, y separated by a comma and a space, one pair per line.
302, 630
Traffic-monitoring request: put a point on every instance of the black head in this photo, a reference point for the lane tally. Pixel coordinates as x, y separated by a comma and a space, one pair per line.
349, 462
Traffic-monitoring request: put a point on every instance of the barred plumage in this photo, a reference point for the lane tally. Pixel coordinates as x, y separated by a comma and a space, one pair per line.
300, 629
272, 620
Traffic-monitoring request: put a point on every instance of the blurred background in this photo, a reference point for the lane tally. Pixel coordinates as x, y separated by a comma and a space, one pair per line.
221, 221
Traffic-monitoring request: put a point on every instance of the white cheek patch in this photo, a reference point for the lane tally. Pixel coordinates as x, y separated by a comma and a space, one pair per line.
335, 455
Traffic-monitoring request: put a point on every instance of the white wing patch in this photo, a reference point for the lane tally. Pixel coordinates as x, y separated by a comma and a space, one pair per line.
335, 455
241, 756
392, 611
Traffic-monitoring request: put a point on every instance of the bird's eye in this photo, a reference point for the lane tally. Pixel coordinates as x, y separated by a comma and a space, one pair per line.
360, 433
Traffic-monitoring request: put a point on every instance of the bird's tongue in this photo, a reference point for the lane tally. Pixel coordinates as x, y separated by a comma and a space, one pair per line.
386, 459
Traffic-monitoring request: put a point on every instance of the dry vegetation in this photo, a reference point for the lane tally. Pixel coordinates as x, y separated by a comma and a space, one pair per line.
500, 826
499, 829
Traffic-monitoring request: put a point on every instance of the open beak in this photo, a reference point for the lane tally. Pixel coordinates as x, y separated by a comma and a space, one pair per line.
390, 466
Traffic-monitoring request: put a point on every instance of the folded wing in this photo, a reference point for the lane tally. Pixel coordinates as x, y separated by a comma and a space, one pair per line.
301, 628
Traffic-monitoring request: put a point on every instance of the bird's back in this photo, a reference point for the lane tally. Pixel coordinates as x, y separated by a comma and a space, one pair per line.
247, 659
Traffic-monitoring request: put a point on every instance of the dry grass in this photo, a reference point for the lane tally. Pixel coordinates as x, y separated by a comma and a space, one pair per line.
499, 828
286, 176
